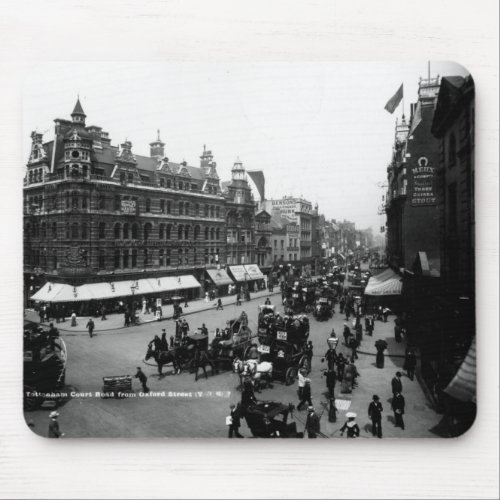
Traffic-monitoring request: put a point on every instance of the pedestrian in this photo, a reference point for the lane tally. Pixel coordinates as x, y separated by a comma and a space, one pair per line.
204, 329
238, 299
354, 344
103, 313
126, 316
385, 313
397, 333
186, 301
369, 325
73, 318
142, 379
410, 363
398, 407
375, 414
358, 328
267, 302
207, 298
341, 362
346, 334
306, 394
312, 423
54, 430
308, 351
342, 304
234, 426
90, 326
185, 327
331, 379
155, 344
301, 381
350, 426
396, 384
163, 345
219, 305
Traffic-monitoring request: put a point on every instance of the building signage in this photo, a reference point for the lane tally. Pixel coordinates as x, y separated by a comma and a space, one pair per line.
129, 207
423, 184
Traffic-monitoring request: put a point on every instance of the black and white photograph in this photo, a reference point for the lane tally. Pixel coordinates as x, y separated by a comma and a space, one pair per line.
274, 250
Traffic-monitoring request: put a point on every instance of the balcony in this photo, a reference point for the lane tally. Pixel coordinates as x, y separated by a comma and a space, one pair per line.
292, 249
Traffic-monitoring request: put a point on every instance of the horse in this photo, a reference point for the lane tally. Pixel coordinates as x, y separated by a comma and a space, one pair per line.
164, 358
259, 373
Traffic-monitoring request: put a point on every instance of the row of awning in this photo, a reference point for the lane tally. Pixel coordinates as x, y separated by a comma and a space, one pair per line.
385, 283
61, 292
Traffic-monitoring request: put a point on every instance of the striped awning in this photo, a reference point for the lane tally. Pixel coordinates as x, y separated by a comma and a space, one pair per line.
463, 385
385, 283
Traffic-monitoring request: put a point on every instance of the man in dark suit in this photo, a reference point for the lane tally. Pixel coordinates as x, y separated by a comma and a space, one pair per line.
142, 378
312, 423
398, 406
375, 414
396, 384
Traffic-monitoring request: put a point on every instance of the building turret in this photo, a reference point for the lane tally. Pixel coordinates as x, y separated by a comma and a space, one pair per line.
157, 148
238, 171
78, 115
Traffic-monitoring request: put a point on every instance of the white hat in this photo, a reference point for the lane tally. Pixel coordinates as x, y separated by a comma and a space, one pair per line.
351, 414
54, 414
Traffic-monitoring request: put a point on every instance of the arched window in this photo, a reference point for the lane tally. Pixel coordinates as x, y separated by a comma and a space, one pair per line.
186, 233
181, 208
84, 231
169, 231
217, 234
169, 183
125, 231
146, 257
212, 234
161, 232
196, 232
117, 231
125, 258
54, 230
186, 208
169, 207
116, 260
134, 257
74, 199
148, 205
452, 150
102, 230
181, 186
179, 232
134, 231
74, 231
148, 228
207, 233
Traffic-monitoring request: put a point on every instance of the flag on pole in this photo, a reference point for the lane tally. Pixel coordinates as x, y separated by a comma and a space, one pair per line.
394, 101
417, 118
259, 180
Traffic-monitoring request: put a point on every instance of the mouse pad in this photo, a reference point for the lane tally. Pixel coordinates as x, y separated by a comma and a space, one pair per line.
249, 250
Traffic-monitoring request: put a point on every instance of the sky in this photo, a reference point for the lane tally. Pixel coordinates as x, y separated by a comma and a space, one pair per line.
317, 130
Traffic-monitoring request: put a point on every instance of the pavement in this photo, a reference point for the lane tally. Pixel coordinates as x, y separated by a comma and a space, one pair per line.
180, 407
115, 321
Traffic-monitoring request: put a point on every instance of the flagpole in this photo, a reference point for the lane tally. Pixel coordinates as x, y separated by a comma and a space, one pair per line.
403, 101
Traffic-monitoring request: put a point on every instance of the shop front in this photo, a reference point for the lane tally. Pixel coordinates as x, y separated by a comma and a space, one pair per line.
218, 282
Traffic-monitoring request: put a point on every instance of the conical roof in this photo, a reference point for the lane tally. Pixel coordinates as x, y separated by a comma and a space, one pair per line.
78, 109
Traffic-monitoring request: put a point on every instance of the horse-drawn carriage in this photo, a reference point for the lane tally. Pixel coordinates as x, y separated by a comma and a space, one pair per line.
235, 341
44, 366
180, 355
323, 309
269, 419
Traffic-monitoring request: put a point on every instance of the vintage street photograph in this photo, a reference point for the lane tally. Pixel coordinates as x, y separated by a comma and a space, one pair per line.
252, 250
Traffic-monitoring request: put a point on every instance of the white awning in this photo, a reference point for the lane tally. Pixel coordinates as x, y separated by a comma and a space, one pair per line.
219, 277
254, 273
60, 292
463, 385
385, 283
239, 273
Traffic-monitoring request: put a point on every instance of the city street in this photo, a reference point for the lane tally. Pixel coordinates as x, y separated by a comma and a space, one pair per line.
180, 407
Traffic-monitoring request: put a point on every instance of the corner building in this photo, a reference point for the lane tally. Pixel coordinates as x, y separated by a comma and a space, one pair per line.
94, 212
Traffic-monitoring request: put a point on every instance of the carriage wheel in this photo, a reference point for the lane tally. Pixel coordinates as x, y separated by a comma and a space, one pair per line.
291, 375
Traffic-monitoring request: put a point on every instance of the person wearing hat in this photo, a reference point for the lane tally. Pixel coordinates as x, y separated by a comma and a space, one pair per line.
350, 426
54, 431
331, 379
346, 334
396, 384
163, 341
90, 326
301, 381
398, 407
375, 414
312, 423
